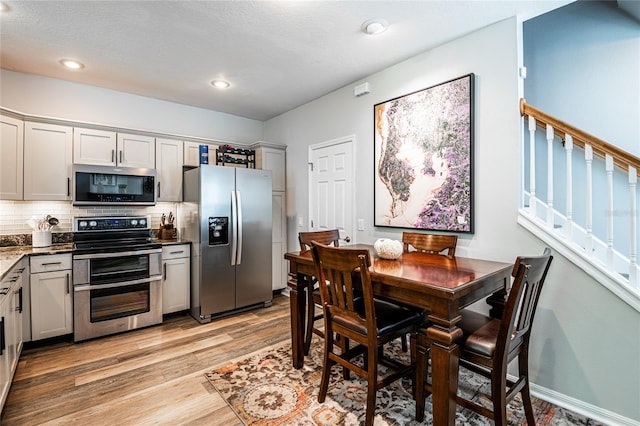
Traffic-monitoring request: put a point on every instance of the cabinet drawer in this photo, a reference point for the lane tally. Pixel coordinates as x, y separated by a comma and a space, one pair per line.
51, 262
176, 251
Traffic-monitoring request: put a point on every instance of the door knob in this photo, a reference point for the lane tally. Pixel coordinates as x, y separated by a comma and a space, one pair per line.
347, 239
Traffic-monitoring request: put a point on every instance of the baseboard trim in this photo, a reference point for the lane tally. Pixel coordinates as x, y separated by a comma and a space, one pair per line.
596, 413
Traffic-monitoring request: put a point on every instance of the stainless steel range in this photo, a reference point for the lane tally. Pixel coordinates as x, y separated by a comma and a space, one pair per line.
117, 279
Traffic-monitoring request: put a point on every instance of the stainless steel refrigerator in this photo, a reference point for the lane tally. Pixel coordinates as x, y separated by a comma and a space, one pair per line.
227, 216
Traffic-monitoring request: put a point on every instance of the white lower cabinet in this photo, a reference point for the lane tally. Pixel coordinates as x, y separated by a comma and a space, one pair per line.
176, 278
11, 311
51, 296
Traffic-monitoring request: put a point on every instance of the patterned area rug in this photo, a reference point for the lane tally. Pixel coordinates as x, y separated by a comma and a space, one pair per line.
265, 389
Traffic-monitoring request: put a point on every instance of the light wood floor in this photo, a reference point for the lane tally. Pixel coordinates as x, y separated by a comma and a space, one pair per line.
149, 376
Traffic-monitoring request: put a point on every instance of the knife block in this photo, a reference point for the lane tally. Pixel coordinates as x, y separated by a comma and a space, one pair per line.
167, 232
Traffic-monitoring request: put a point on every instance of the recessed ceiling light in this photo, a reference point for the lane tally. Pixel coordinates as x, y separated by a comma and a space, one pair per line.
4, 7
374, 26
72, 64
220, 84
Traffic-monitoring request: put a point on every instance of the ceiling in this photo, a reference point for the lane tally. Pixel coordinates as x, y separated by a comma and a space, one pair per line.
277, 55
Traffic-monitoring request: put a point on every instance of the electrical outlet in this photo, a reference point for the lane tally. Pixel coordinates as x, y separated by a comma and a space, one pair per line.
300, 222
360, 224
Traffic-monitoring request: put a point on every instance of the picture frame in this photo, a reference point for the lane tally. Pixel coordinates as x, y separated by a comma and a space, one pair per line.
423, 159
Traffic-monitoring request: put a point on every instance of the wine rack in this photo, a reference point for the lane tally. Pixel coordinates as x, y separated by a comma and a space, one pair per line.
228, 155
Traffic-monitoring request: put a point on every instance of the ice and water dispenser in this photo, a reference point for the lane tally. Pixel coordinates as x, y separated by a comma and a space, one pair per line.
218, 231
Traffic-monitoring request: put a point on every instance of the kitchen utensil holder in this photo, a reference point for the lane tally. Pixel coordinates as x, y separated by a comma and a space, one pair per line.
41, 238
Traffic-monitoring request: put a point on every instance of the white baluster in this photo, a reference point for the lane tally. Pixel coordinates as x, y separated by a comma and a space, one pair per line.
588, 158
633, 268
608, 160
550, 137
532, 166
568, 147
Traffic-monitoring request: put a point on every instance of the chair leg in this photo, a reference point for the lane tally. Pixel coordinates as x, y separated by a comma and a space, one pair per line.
326, 366
523, 370
403, 341
372, 379
311, 307
499, 396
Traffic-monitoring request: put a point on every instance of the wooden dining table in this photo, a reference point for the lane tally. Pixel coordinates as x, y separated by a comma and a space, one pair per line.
440, 284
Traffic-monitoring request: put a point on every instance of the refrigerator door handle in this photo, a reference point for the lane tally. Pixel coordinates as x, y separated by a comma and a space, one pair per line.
239, 217
234, 227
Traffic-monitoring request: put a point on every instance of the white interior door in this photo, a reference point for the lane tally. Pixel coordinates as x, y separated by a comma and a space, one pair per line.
332, 194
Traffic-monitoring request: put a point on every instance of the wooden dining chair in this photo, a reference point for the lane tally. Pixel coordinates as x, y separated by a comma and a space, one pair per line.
350, 311
489, 345
430, 243
328, 237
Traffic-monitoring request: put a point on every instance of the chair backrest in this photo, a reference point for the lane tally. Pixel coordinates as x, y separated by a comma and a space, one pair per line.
529, 275
338, 270
430, 243
331, 236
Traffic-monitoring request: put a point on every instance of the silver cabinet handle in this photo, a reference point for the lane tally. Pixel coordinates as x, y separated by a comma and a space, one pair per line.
51, 263
121, 156
177, 252
68, 284
68, 187
164, 271
158, 189
113, 155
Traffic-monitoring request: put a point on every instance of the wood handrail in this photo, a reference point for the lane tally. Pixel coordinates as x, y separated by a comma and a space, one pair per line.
621, 158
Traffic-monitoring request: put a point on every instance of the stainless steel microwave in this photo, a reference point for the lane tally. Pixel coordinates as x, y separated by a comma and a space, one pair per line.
105, 185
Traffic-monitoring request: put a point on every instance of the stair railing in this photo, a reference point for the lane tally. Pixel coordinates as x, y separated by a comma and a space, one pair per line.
613, 263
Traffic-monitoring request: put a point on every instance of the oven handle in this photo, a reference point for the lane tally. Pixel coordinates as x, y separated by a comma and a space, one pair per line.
86, 287
116, 254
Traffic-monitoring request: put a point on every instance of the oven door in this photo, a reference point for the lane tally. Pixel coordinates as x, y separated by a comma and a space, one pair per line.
104, 309
116, 291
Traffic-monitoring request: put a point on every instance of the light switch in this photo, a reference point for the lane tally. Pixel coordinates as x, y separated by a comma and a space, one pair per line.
300, 222
360, 224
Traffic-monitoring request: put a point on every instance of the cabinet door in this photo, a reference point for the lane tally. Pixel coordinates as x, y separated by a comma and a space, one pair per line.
11, 158
279, 241
94, 147
136, 151
169, 155
175, 285
274, 160
51, 304
5, 357
192, 154
14, 344
48, 153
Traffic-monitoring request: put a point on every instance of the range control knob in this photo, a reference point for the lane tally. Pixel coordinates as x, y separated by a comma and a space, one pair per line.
134, 222
143, 222
93, 223
82, 224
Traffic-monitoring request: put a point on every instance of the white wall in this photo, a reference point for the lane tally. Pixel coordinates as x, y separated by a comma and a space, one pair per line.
574, 311
48, 97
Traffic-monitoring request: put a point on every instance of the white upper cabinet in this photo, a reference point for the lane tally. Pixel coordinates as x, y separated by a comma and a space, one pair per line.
94, 147
136, 151
105, 148
192, 154
273, 157
169, 161
11, 158
48, 154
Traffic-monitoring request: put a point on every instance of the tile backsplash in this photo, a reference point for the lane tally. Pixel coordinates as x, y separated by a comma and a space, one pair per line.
14, 214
